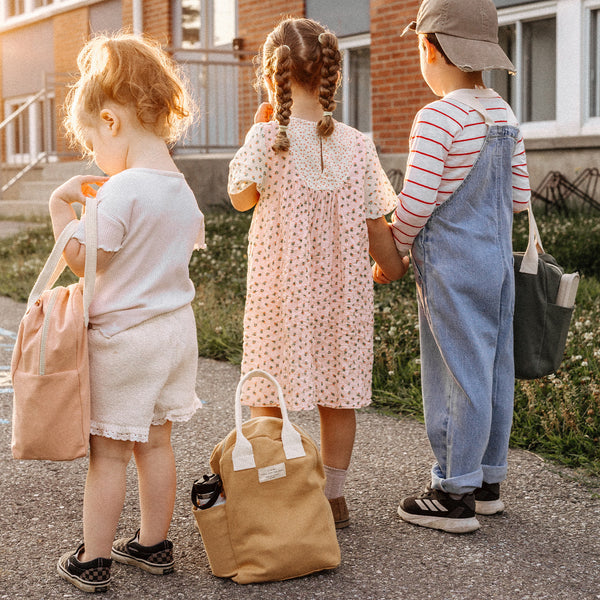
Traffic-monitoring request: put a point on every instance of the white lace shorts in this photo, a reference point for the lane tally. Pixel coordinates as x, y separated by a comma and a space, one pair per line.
144, 376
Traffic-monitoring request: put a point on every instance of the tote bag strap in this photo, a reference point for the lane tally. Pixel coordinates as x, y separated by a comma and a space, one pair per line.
243, 455
55, 264
529, 263
91, 254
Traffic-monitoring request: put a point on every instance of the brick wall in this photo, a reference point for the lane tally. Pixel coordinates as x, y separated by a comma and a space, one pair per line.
157, 20
256, 19
398, 90
71, 30
127, 15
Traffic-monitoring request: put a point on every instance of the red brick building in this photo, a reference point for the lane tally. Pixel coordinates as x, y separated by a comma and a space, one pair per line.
555, 45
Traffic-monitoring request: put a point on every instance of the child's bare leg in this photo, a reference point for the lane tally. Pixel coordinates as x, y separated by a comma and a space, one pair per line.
104, 495
265, 411
338, 428
157, 484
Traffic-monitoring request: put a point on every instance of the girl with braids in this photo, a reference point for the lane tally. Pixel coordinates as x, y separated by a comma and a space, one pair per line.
320, 197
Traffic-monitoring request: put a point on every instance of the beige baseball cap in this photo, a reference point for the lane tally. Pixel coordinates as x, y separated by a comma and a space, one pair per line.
467, 31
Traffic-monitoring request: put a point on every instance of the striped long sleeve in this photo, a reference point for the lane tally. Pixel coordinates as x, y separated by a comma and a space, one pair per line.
445, 141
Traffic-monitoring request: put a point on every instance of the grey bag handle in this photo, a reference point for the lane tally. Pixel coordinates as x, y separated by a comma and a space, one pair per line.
243, 455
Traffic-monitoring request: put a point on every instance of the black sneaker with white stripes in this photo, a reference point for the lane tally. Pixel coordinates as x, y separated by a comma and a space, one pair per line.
438, 510
487, 499
157, 559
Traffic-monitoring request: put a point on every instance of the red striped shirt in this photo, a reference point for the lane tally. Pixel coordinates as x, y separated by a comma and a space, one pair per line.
444, 141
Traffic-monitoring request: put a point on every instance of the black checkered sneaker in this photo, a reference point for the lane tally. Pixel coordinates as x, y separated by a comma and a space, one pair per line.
157, 559
89, 576
438, 510
487, 499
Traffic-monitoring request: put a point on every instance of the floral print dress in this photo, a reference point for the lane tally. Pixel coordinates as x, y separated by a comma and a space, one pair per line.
309, 302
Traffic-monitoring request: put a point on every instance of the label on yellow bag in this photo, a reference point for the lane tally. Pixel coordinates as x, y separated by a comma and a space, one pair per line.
272, 472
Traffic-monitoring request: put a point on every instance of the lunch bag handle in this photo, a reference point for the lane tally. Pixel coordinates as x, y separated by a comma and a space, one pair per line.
243, 455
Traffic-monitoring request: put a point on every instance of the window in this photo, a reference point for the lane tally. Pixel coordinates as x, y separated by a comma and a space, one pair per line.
207, 23
29, 10
16, 7
501, 81
223, 29
354, 95
594, 71
531, 46
539, 70
31, 131
190, 23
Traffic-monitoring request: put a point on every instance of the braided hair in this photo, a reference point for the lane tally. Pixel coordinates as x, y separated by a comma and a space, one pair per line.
303, 52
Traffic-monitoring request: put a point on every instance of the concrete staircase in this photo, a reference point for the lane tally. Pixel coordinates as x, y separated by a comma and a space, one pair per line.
29, 196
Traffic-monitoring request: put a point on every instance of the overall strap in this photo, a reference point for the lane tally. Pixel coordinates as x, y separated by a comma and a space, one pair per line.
466, 97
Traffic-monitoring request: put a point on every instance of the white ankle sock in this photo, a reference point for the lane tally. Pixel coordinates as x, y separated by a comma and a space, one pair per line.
334, 483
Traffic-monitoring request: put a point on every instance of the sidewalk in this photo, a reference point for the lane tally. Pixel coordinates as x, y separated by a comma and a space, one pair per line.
546, 545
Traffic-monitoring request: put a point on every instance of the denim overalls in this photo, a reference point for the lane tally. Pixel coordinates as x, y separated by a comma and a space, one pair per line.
464, 271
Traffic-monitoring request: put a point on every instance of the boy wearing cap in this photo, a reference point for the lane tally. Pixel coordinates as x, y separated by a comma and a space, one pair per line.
465, 177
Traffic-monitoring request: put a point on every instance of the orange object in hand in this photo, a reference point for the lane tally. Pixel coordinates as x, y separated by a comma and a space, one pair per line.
264, 113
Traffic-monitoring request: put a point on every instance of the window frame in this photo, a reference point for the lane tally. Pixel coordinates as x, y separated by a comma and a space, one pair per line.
573, 22
207, 33
35, 136
516, 16
591, 121
32, 13
346, 45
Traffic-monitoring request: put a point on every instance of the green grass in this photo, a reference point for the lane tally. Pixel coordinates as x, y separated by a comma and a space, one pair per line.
556, 416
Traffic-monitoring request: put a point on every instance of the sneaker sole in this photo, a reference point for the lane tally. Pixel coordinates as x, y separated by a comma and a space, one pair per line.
153, 568
445, 524
84, 586
489, 507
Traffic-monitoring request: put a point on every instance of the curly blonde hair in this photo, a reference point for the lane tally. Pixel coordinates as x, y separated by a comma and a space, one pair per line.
301, 51
131, 71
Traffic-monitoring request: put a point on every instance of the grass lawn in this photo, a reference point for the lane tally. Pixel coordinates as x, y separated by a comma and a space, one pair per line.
557, 416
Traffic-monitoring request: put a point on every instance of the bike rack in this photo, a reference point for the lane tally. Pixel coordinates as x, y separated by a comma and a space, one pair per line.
556, 190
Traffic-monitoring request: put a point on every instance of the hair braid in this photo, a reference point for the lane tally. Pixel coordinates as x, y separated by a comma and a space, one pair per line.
330, 68
282, 78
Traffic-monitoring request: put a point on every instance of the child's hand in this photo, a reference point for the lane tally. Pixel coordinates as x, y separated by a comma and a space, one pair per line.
264, 113
378, 275
77, 189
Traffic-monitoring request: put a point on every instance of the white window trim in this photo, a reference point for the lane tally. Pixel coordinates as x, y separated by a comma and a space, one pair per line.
572, 87
591, 125
33, 15
37, 140
345, 44
206, 33
34, 142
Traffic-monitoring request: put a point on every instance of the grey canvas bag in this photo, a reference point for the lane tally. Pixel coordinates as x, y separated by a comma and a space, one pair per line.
544, 303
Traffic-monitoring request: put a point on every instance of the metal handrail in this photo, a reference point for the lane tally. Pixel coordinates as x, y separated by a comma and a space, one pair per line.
33, 163
22, 108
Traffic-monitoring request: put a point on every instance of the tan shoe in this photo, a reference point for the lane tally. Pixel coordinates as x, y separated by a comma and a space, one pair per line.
340, 512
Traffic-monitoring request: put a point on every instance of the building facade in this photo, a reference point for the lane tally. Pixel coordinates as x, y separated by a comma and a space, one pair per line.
555, 45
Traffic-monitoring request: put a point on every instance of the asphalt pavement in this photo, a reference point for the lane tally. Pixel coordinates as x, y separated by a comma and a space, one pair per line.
546, 544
